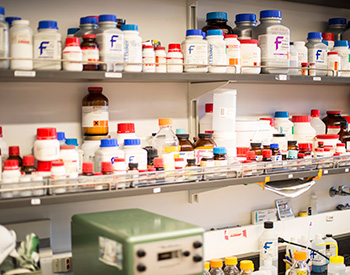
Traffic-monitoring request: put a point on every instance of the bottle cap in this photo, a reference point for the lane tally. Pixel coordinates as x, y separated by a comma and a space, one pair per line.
248, 41
214, 32
159, 48
268, 225
182, 136
88, 20
314, 35
88, 167
216, 263
329, 235
106, 166
132, 142
301, 155
107, 17
328, 36
109, 142
205, 135
304, 146
304, 64
346, 117
300, 119
279, 135
191, 161
255, 144
89, 36
270, 13
44, 166
231, 36
174, 47
165, 121
216, 15
245, 17
46, 133
47, 24
242, 151
300, 255
121, 21
247, 265
341, 43
180, 131
13, 151
0, 131
335, 21
194, 32
28, 161
250, 155
333, 112
126, 128
12, 18
147, 47
267, 153
209, 107
152, 169
158, 162
281, 114
72, 41
129, 27
292, 142
133, 165
219, 150
327, 136
332, 53
320, 143
207, 265
67, 147
247, 161
20, 22
231, 261
340, 144
11, 164
315, 113
71, 31
274, 146
57, 163
336, 259
272, 121
72, 141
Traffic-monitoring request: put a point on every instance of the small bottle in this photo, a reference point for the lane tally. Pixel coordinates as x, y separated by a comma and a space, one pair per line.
61, 137
14, 155
133, 48
107, 168
300, 266
282, 124
205, 144
292, 145
256, 147
160, 55
292, 154
70, 157
282, 142
294, 62
180, 163
191, 163
158, 164
334, 63
119, 166
28, 165
125, 131
304, 68
330, 250
186, 146
58, 172
207, 160
305, 149
268, 244
220, 156
216, 267
251, 156
134, 153
11, 174
341, 148
329, 37
276, 155
216, 51
233, 51
91, 52
246, 267
206, 122
148, 59
88, 168
151, 154
313, 209
267, 155
312, 67
317, 123
174, 59
231, 266
319, 153
72, 52
74, 142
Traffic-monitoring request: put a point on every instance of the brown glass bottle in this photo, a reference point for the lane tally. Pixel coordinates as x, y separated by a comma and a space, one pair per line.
191, 163
28, 165
344, 137
334, 118
95, 113
14, 154
256, 147
186, 145
120, 22
217, 21
90, 52
293, 145
205, 141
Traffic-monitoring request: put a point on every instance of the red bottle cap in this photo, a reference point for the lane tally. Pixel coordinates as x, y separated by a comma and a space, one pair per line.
248, 41
57, 163
267, 153
44, 166
242, 151
11, 164
14, 151
272, 121
126, 128
300, 119
333, 112
96, 16
327, 136
72, 42
231, 36
304, 145
143, 171
148, 47
251, 155
328, 36
179, 159
247, 161
98, 174
340, 144
158, 162
106, 166
152, 169
46, 133
88, 167
209, 107
174, 47
89, 36
93, 89
28, 160
301, 155
67, 147
304, 64
159, 48
327, 149
328, 146
320, 143
337, 154
319, 150
0, 131
315, 113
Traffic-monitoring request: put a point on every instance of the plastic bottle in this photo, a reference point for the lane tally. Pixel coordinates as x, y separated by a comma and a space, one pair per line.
4, 42
195, 51
336, 264
119, 166
329, 37
166, 143
95, 113
317, 52
268, 267
336, 26
318, 262
70, 157
273, 41
174, 56
282, 142
220, 158
3, 146
71, 32
268, 244
58, 172
334, 63
300, 266
87, 26
125, 131
21, 46
111, 42
250, 56
206, 268
108, 151
91, 52
217, 21
134, 153
313, 208
332, 249
283, 125
233, 53
46, 146
10, 19
294, 61
342, 47
72, 52
231, 266
133, 48
90, 146
11, 174
302, 53
303, 131
74, 142
149, 59
216, 51
247, 267
160, 55
216, 267
317, 123
14, 154
206, 122
28, 165
245, 23
47, 45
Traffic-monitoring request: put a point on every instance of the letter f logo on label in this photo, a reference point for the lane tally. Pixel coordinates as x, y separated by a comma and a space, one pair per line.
318, 53
277, 41
267, 246
190, 49
42, 46
113, 39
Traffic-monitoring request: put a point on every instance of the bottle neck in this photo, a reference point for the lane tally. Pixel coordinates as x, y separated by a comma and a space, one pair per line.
271, 20
166, 127
246, 24
88, 26
107, 24
95, 92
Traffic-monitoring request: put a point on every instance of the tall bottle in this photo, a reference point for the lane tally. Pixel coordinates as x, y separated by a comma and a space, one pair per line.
300, 266
318, 262
87, 26
268, 244
4, 41
317, 52
317, 123
216, 267
330, 249
231, 266
336, 26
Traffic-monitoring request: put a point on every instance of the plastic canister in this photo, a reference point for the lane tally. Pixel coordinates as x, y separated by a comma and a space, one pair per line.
133, 47
73, 52
46, 146
317, 52
107, 152
10, 174
302, 53
216, 51
303, 131
317, 123
273, 41
125, 131
110, 40
328, 140
233, 53
47, 45
160, 55
248, 131
195, 51
283, 125
74, 141
318, 262
329, 37
342, 47
224, 110
336, 26
250, 56
174, 59
245, 23
294, 62
70, 156
206, 122
58, 172
4, 42
87, 25
334, 64
21, 46
149, 59
90, 146
134, 153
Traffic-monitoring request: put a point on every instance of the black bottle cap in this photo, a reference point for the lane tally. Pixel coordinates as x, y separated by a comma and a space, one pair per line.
329, 235
191, 161
183, 136
268, 225
255, 144
133, 165
279, 135
206, 135
292, 142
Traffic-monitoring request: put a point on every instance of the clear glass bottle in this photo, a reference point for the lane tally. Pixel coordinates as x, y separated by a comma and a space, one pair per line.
231, 266
216, 267
206, 268
246, 267
300, 266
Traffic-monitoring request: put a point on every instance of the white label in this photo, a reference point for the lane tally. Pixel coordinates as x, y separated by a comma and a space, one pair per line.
157, 190
35, 201
47, 49
3, 39
95, 116
226, 113
110, 44
346, 170
71, 166
333, 130
207, 163
74, 56
316, 258
316, 78
25, 73
290, 176
133, 51
282, 77
259, 157
196, 54
187, 155
233, 54
325, 172
149, 65
175, 68
90, 54
113, 75
110, 252
217, 54
21, 38
268, 249
277, 158
198, 153
275, 46
220, 162
319, 57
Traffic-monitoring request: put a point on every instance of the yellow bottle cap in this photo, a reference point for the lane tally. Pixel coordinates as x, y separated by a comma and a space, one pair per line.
171, 149
336, 259
230, 260
302, 214
207, 265
165, 121
246, 264
215, 263
300, 255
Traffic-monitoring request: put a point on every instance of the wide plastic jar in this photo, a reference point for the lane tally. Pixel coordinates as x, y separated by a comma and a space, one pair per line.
317, 52
134, 153
328, 140
216, 51
336, 26
87, 25
70, 156
133, 48
160, 55
283, 125
245, 23
107, 152
250, 56
274, 41
233, 53
89, 147
303, 131
58, 172
342, 47
334, 121
46, 146
148, 59
174, 59
217, 21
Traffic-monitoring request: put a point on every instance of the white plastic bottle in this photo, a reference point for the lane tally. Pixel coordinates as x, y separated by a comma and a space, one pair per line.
70, 157
273, 41
233, 53
4, 40
195, 51
21, 46
283, 125
174, 59
332, 248
342, 47
125, 131
3, 146
74, 142
268, 244
47, 45
46, 146
303, 131
149, 59
110, 40
313, 208
206, 122
107, 152
160, 61
268, 267
90, 146
317, 123
134, 153
133, 47
302, 53
317, 52
250, 56
334, 63
216, 51
11, 174
58, 172
294, 62
318, 262
72, 52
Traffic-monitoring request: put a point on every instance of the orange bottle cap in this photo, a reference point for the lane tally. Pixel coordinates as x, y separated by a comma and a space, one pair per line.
216, 263
165, 121
300, 255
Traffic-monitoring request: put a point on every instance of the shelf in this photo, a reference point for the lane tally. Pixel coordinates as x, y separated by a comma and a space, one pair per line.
335, 3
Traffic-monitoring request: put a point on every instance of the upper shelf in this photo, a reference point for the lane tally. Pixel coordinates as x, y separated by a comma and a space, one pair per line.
335, 3
93, 76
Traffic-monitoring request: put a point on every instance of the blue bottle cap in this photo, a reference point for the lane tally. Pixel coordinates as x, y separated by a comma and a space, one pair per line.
270, 13
109, 142
2, 10
216, 15
325, 42
274, 146
61, 136
194, 32
292, 154
131, 142
281, 114
341, 43
180, 131
214, 32
47, 24
219, 150
314, 35
12, 18
72, 30
244, 17
107, 17
129, 27
88, 20
72, 141
334, 21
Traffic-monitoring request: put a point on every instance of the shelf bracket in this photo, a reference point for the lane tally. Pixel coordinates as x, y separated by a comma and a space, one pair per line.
191, 7
193, 195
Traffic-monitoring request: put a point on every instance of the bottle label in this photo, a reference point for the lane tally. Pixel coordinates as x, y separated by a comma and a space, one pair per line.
110, 44
318, 56
233, 54
199, 152
196, 54
207, 163
90, 54
302, 58
141, 159
187, 155
71, 166
46, 49
95, 116
333, 65
333, 130
316, 258
259, 157
133, 51
277, 158
250, 58
268, 249
220, 162
217, 54
21, 38
303, 271
160, 60
275, 45
149, 62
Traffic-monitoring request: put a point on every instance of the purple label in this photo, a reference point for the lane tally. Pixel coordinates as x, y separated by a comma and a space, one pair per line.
278, 41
